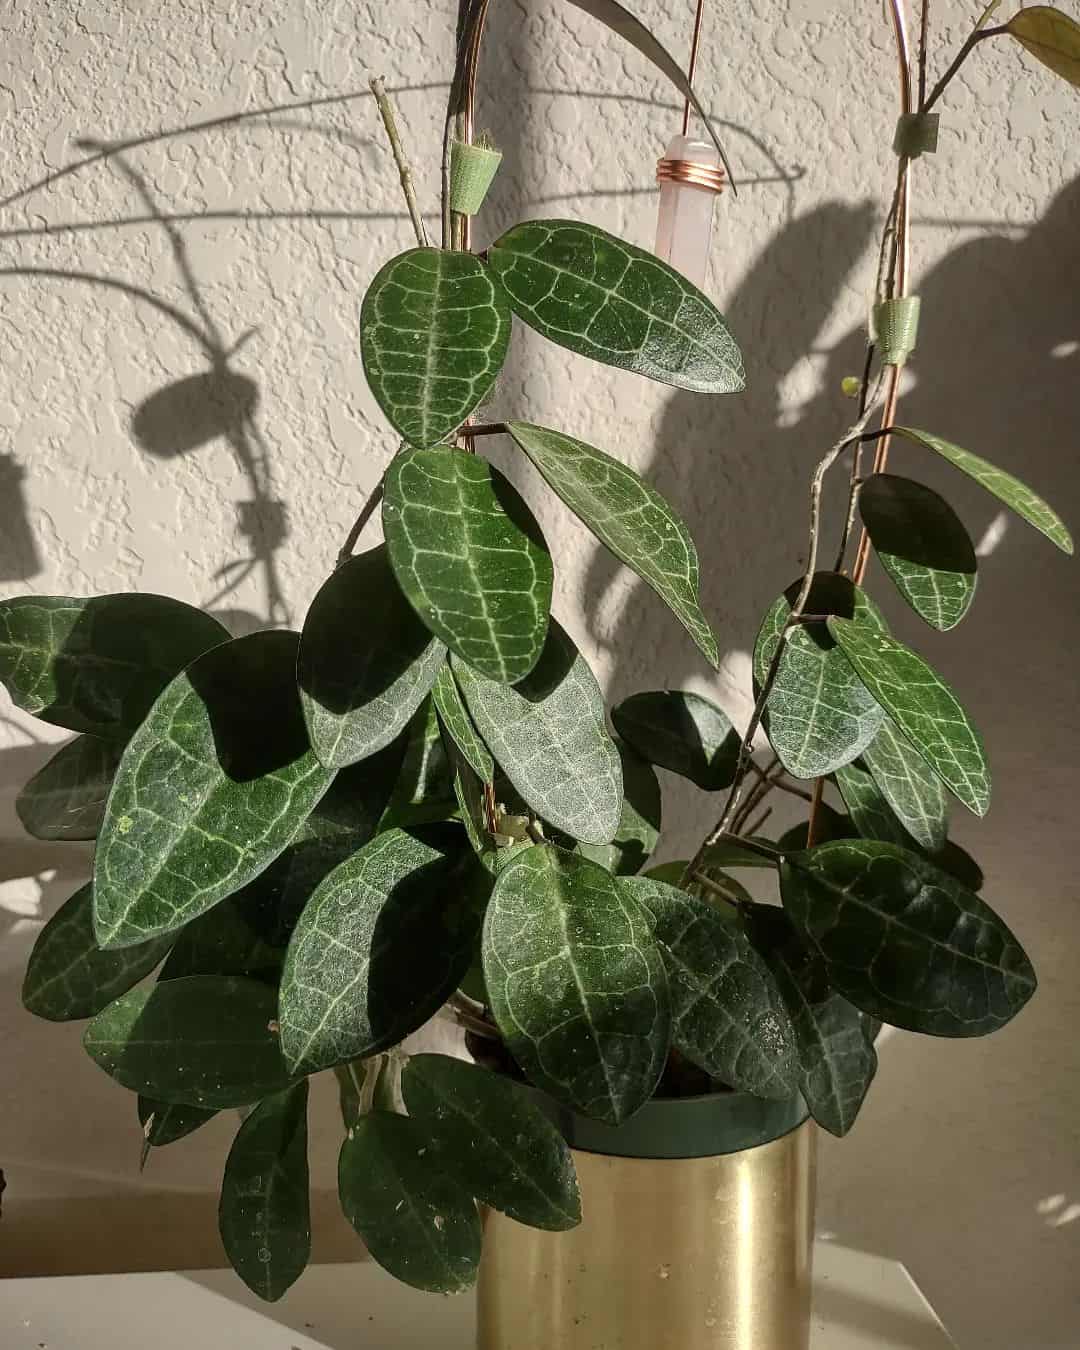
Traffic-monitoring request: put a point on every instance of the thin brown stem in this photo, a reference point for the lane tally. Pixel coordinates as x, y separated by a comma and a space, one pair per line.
924, 34
757, 824
735, 792
470, 1015
386, 111
716, 888
487, 429
979, 32
366, 512
813, 825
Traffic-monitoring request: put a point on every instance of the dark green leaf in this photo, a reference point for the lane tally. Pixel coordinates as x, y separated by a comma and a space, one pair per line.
627, 515
211, 788
69, 976
576, 983
959, 864
923, 707
97, 665
382, 944
470, 558
165, 1122
639, 823
234, 938
872, 816
204, 1041
366, 661
424, 790
1051, 37
727, 1014
819, 714
633, 31
710, 882
457, 723
66, 798
904, 941
730, 853
1016, 495
682, 732
489, 1135
549, 737
837, 1059
265, 1212
247, 934
599, 296
707, 883
416, 1221
351, 1078
909, 785
434, 329
875, 819
923, 546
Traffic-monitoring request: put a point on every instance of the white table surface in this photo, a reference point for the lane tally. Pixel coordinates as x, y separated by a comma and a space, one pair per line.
861, 1302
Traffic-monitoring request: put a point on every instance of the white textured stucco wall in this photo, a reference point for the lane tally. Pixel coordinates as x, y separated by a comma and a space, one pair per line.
127, 275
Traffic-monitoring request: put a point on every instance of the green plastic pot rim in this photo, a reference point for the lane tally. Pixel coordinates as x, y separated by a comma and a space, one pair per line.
682, 1127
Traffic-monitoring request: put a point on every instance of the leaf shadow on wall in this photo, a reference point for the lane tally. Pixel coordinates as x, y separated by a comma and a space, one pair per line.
996, 370
197, 410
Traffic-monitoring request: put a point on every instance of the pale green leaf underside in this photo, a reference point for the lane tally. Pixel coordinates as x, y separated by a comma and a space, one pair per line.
211, 788
380, 945
549, 737
489, 1135
470, 558
97, 665
923, 546
601, 297
434, 329
68, 976
459, 726
819, 714
904, 941
727, 1014
66, 798
366, 661
576, 983
264, 1214
923, 707
1051, 37
628, 516
1015, 494
416, 1221
909, 785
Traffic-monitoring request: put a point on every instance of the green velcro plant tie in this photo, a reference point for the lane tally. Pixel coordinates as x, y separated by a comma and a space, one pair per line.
916, 134
472, 169
896, 328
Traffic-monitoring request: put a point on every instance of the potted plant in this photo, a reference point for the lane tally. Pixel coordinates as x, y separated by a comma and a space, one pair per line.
320, 840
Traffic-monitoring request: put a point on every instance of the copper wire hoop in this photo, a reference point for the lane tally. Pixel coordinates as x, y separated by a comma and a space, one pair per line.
711, 177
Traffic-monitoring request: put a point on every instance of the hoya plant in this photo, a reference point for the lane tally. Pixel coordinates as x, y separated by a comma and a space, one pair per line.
319, 840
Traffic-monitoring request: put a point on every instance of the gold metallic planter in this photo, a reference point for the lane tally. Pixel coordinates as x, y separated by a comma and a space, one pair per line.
675, 1252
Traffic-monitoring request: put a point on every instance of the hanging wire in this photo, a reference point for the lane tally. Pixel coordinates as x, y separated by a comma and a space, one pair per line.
695, 45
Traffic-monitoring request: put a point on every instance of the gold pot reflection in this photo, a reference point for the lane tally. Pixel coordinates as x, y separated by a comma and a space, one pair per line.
672, 1254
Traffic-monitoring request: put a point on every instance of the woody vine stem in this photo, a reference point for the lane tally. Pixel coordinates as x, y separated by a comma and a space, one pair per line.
892, 283
874, 393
